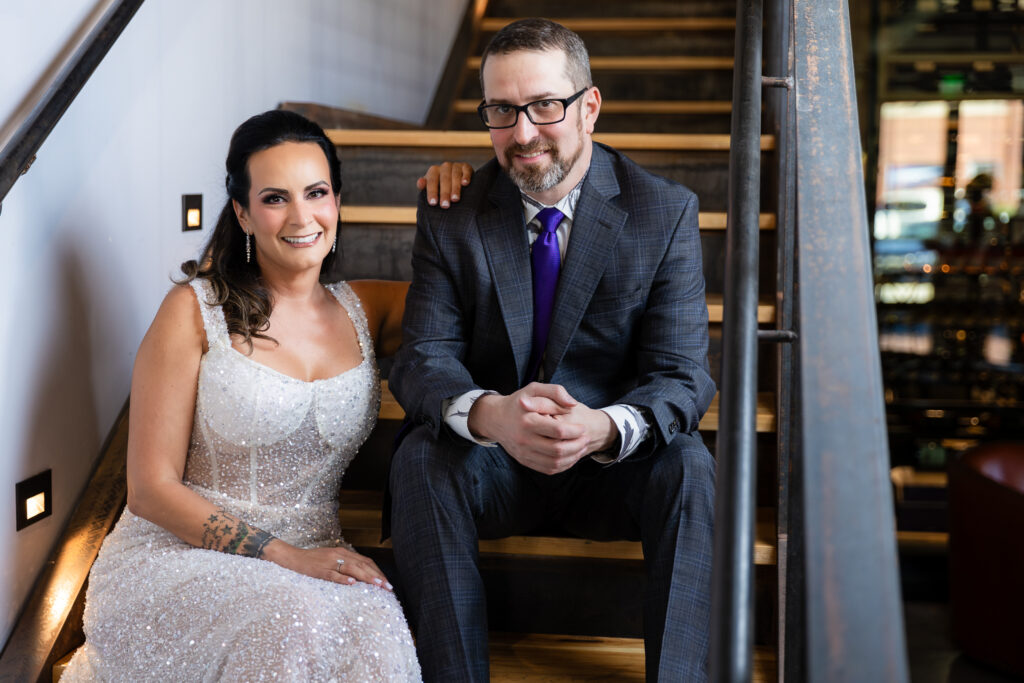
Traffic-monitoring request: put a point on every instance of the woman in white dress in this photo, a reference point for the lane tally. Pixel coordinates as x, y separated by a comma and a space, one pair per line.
252, 390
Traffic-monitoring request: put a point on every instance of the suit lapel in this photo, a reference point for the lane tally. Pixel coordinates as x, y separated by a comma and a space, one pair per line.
503, 234
595, 230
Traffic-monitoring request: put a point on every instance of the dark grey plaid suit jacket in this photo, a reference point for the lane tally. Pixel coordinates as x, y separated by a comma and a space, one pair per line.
630, 317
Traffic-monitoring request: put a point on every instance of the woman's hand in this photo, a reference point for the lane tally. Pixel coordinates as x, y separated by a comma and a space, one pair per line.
445, 181
339, 565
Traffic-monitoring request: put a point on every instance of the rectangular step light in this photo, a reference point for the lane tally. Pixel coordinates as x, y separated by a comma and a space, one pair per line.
191, 212
33, 499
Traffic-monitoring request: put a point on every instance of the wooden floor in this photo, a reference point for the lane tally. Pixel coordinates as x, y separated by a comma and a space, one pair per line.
537, 658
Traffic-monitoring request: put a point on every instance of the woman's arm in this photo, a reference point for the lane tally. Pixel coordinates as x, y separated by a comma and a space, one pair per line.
164, 387
384, 304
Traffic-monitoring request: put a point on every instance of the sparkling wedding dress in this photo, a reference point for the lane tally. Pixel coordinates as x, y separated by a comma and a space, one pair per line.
270, 449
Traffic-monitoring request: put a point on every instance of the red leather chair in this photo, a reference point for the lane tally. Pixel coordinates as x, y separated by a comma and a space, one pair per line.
986, 554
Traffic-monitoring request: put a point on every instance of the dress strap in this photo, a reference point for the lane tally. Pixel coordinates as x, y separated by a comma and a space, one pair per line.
213, 315
350, 301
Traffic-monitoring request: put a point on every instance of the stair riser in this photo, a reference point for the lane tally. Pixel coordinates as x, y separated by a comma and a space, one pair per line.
545, 595
384, 252
633, 123
371, 175
643, 85
708, 43
589, 8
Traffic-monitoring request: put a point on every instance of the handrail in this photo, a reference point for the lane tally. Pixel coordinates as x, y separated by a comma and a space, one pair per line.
732, 598
854, 622
64, 80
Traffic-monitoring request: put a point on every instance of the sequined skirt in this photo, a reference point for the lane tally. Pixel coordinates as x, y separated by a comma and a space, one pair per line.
160, 609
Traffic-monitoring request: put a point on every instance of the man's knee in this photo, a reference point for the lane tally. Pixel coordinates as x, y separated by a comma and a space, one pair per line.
425, 470
417, 466
685, 458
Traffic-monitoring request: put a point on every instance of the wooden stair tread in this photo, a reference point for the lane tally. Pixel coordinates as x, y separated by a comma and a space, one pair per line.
647, 63
406, 215
703, 142
639, 107
624, 24
716, 310
923, 542
390, 409
360, 514
541, 658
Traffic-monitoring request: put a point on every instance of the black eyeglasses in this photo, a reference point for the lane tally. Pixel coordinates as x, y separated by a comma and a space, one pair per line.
541, 113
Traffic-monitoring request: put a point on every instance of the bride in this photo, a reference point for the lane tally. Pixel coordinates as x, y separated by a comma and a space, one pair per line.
252, 391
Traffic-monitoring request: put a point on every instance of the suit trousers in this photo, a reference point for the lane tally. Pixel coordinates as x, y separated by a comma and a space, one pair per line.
448, 493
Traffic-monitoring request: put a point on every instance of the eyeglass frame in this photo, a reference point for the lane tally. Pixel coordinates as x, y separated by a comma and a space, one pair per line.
524, 109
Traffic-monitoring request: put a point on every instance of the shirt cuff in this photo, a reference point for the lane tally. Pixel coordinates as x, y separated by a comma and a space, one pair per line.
456, 415
633, 429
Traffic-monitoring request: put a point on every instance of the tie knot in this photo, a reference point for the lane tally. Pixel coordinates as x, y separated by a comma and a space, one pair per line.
550, 218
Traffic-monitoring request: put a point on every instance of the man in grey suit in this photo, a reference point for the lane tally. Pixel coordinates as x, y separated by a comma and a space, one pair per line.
554, 366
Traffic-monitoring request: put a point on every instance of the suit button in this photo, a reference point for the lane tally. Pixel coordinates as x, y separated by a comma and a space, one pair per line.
674, 427
429, 422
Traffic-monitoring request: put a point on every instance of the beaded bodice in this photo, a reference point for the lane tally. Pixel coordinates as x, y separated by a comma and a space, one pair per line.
272, 448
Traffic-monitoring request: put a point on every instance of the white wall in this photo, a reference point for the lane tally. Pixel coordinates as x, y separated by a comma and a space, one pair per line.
90, 236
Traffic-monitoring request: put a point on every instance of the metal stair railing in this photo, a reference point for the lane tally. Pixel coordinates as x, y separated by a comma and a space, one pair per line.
51, 98
839, 598
854, 623
732, 600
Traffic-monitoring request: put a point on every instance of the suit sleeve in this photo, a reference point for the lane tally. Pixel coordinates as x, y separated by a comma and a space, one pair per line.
429, 366
675, 386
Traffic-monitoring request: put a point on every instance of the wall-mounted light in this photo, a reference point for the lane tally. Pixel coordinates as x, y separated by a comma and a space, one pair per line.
33, 499
191, 212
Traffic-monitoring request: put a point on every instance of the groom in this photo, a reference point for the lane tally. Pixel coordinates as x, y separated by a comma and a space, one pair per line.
554, 366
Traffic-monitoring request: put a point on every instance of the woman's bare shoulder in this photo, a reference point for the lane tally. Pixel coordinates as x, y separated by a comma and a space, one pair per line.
179, 319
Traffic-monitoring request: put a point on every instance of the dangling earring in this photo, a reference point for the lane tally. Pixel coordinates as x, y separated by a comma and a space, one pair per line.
334, 247
248, 249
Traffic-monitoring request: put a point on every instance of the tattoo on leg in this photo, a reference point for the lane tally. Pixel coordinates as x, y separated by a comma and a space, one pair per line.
227, 533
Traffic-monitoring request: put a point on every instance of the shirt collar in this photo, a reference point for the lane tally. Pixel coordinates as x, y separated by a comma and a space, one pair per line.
567, 204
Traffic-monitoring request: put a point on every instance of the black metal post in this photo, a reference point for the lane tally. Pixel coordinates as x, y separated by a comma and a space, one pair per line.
854, 624
780, 121
732, 602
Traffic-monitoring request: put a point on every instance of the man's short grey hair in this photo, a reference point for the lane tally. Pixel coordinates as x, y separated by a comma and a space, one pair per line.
540, 35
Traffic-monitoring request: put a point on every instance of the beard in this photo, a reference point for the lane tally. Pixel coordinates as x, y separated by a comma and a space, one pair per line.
536, 179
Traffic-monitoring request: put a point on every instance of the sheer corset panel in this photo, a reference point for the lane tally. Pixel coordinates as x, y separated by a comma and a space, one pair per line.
261, 437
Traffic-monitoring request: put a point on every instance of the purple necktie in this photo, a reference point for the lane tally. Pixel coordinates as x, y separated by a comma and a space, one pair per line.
546, 263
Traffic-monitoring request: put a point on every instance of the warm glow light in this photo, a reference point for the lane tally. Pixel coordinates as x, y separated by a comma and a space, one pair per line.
36, 505
192, 218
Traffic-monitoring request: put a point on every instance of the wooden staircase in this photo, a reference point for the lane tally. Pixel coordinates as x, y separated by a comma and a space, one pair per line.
665, 76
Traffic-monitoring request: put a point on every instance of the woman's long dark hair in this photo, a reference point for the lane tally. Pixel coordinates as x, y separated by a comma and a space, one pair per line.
238, 286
